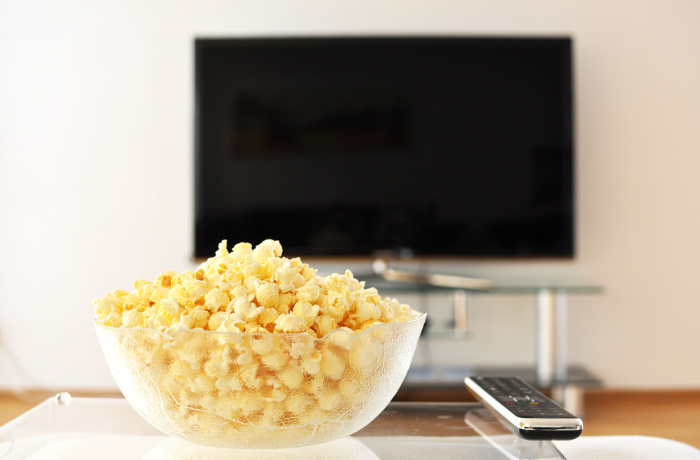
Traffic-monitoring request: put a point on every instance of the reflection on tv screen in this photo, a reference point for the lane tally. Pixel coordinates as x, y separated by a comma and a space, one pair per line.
320, 122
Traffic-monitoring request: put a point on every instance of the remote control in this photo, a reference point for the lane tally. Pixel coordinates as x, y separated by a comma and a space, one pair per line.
524, 410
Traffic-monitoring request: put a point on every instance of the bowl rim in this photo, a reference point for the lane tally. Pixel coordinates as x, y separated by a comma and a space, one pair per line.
132, 330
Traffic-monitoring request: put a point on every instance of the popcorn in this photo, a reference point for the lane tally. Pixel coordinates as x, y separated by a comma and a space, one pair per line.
331, 364
312, 363
221, 382
289, 323
267, 294
132, 318
216, 300
291, 377
217, 320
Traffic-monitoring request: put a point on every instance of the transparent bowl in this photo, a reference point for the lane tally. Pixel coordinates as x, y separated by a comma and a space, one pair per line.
265, 391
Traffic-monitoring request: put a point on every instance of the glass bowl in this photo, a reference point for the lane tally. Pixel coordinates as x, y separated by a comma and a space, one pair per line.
242, 390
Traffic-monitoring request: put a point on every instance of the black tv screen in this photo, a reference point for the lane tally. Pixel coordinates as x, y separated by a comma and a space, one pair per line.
357, 146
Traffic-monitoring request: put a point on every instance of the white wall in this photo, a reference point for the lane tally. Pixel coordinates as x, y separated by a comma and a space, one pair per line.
96, 170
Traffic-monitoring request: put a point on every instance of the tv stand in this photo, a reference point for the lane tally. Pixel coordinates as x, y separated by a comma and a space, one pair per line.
552, 368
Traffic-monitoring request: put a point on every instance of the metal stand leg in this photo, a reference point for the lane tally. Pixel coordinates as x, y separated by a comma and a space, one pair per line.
562, 360
551, 361
545, 317
459, 312
552, 364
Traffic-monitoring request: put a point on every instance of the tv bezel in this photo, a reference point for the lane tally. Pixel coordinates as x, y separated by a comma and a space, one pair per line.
565, 43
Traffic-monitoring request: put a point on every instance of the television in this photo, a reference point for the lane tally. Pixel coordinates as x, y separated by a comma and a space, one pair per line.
431, 146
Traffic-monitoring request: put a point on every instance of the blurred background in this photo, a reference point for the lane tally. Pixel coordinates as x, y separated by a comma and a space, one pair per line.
97, 171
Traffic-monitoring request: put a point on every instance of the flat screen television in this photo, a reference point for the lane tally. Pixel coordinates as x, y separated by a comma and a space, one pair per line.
358, 146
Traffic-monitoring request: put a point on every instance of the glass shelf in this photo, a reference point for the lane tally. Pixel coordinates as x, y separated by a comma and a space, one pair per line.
452, 377
421, 285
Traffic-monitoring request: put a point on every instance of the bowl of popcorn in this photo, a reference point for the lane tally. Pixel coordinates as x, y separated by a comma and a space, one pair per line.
255, 350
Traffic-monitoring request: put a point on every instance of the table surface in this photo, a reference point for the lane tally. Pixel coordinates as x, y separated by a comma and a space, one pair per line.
108, 428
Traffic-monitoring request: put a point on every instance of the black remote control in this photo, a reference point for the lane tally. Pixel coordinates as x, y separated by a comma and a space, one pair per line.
524, 410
